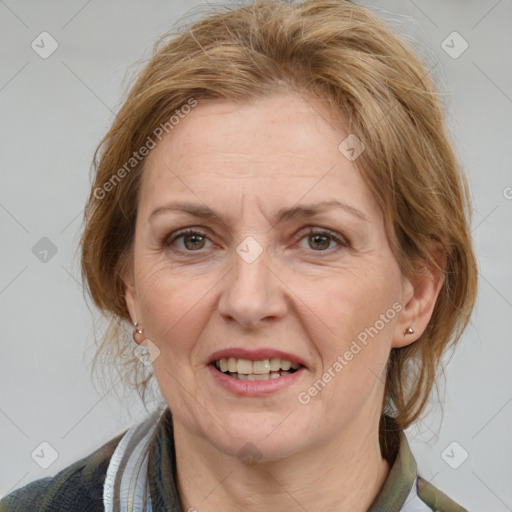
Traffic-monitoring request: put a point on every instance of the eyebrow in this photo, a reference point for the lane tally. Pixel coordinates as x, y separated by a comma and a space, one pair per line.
305, 210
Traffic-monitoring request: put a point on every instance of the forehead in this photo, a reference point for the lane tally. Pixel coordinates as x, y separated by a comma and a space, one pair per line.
283, 146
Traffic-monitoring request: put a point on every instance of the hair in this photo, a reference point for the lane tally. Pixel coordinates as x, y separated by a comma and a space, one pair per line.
375, 83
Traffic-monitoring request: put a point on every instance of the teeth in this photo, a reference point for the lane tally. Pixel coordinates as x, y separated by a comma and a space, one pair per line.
261, 367
275, 364
265, 376
232, 366
244, 366
285, 365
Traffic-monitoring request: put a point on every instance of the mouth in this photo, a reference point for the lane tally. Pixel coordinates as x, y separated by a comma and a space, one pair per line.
252, 370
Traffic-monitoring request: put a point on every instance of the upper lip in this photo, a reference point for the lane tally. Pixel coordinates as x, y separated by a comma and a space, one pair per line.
254, 355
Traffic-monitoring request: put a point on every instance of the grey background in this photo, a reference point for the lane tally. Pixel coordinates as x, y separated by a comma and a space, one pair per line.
54, 112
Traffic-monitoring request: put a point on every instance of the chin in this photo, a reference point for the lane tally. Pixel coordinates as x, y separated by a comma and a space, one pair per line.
261, 436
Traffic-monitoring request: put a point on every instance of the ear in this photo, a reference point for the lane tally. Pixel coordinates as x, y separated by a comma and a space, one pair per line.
419, 298
130, 294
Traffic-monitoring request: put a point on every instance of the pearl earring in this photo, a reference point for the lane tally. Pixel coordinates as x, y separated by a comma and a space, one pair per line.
135, 332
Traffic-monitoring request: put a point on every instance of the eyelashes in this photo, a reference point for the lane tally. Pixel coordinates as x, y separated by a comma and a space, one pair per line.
317, 235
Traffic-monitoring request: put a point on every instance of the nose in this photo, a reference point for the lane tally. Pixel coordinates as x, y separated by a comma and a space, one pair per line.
254, 294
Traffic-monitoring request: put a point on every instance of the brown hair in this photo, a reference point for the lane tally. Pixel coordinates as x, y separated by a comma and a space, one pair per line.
344, 55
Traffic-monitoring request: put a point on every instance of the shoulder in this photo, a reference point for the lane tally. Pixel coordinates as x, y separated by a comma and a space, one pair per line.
435, 498
76, 488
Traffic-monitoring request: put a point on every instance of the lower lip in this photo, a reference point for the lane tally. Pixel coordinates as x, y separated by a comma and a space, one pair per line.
254, 387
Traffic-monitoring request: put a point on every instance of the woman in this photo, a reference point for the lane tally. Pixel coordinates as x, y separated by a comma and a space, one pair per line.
279, 214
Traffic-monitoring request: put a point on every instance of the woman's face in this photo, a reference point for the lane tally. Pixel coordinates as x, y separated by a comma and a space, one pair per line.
253, 282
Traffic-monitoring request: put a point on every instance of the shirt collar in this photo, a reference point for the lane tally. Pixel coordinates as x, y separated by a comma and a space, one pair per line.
395, 491
391, 498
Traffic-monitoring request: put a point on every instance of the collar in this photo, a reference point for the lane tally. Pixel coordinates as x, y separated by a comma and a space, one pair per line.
398, 490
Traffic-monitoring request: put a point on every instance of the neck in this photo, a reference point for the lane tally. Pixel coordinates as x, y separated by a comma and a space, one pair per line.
346, 474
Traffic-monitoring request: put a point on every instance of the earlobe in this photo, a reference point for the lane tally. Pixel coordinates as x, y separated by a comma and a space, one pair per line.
129, 299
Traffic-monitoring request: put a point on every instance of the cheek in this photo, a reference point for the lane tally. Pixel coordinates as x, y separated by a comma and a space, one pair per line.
358, 313
354, 352
173, 307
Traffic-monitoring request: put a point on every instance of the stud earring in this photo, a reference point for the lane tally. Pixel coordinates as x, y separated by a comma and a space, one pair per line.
409, 330
135, 332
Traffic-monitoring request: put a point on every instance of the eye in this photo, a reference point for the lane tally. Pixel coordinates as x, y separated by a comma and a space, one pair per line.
322, 238
193, 239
